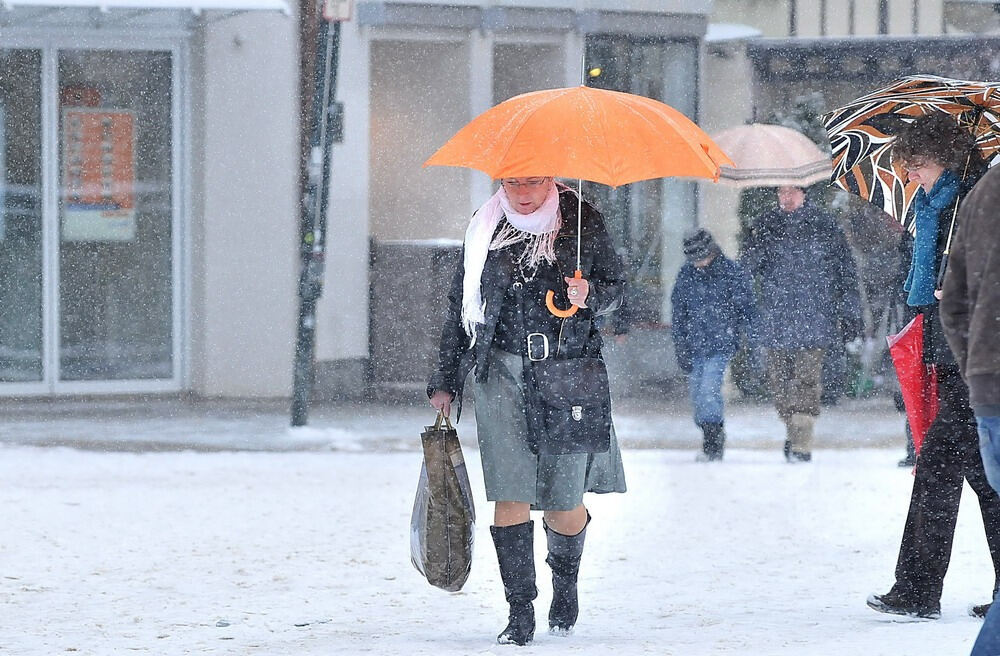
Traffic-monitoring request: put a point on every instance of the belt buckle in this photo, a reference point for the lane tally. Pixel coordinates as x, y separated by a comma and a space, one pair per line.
545, 347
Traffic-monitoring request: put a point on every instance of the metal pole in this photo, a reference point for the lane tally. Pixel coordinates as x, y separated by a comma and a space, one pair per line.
320, 51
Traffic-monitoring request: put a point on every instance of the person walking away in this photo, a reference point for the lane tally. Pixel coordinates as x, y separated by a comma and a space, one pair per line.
712, 306
519, 245
970, 316
809, 297
940, 156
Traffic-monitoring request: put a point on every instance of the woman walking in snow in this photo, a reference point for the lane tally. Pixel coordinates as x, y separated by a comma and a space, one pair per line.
940, 156
521, 243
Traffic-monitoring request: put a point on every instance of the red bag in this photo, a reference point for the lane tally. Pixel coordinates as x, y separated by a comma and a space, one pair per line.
917, 381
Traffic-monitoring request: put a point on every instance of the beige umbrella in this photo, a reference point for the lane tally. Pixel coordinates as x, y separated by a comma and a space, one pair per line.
771, 156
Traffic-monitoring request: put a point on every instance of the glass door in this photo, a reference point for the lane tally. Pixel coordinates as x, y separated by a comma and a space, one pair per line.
648, 218
89, 247
115, 262
21, 293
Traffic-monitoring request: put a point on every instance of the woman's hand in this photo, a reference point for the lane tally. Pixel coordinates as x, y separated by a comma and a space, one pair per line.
441, 400
577, 290
938, 294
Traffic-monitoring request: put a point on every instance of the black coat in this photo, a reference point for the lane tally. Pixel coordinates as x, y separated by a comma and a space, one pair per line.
579, 336
808, 279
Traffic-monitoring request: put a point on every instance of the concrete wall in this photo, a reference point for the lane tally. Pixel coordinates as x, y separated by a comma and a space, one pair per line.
245, 209
342, 311
726, 102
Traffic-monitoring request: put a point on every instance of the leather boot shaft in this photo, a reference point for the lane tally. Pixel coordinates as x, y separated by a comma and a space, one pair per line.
565, 552
516, 557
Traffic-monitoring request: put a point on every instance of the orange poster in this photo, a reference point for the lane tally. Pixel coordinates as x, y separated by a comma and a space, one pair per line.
98, 174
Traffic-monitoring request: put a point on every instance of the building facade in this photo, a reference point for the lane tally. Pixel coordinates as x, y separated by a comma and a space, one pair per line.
766, 56
150, 180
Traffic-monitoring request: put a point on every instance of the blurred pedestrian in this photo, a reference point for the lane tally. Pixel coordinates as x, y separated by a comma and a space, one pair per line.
809, 298
940, 156
712, 308
970, 315
519, 245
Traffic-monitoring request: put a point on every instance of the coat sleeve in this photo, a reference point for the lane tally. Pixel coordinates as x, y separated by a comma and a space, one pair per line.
753, 256
745, 305
454, 342
607, 273
954, 304
679, 323
847, 289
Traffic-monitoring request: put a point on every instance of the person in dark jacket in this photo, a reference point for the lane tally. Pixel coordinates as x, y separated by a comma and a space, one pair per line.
519, 245
940, 156
809, 297
712, 306
970, 316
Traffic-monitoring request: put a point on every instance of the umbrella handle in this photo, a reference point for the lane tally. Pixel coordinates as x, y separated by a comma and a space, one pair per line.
551, 305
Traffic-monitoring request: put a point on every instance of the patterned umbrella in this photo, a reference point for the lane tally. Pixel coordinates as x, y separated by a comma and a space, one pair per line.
861, 133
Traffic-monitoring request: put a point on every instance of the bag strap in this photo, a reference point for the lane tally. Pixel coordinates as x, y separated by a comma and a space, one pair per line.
437, 421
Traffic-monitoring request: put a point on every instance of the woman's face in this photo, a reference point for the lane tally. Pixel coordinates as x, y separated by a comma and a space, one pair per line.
924, 171
526, 194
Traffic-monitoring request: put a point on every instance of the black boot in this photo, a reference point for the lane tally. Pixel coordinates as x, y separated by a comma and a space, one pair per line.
564, 559
714, 442
516, 556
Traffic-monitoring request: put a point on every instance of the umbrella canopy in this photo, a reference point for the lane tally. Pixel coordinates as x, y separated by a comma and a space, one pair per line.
771, 156
584, 133
862, 131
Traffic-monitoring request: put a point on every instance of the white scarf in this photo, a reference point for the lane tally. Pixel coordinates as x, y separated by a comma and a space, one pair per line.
479, 234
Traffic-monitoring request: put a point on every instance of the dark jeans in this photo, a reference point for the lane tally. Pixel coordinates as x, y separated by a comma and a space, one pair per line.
949, 454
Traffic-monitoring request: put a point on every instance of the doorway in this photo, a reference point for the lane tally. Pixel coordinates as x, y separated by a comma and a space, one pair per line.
89, 220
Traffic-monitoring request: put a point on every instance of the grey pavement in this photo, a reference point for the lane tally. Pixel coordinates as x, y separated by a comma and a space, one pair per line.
150, 424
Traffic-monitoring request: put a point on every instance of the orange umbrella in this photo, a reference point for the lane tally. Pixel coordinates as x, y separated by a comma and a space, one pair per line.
603, 136
580, 132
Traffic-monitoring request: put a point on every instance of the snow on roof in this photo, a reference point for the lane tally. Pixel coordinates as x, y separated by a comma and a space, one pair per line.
730, 32
196, 6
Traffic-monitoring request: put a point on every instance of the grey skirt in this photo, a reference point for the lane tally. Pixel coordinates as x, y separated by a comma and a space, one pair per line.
511, 471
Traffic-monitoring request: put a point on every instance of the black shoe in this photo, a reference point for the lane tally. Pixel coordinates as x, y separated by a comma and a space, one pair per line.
908, 461
516, 556
564, 556
895, 605
798, 456
980, 610
714, 442
788, 449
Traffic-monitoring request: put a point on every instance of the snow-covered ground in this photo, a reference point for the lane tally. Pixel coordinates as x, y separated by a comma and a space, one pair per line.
185, 552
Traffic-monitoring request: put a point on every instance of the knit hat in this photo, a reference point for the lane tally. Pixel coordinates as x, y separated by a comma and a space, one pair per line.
698, 245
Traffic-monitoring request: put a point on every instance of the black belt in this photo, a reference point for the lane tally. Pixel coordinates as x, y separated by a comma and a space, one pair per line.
536, 346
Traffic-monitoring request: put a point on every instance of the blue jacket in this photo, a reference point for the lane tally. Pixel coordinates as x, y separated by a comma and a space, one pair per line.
809, 295
711, 308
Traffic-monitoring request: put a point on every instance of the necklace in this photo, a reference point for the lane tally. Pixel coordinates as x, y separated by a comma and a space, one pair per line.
527, 271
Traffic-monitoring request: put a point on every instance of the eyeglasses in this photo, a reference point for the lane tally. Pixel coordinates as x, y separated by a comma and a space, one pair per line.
528, 183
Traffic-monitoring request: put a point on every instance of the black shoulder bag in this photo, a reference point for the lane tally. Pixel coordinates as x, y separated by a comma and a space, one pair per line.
568, 400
